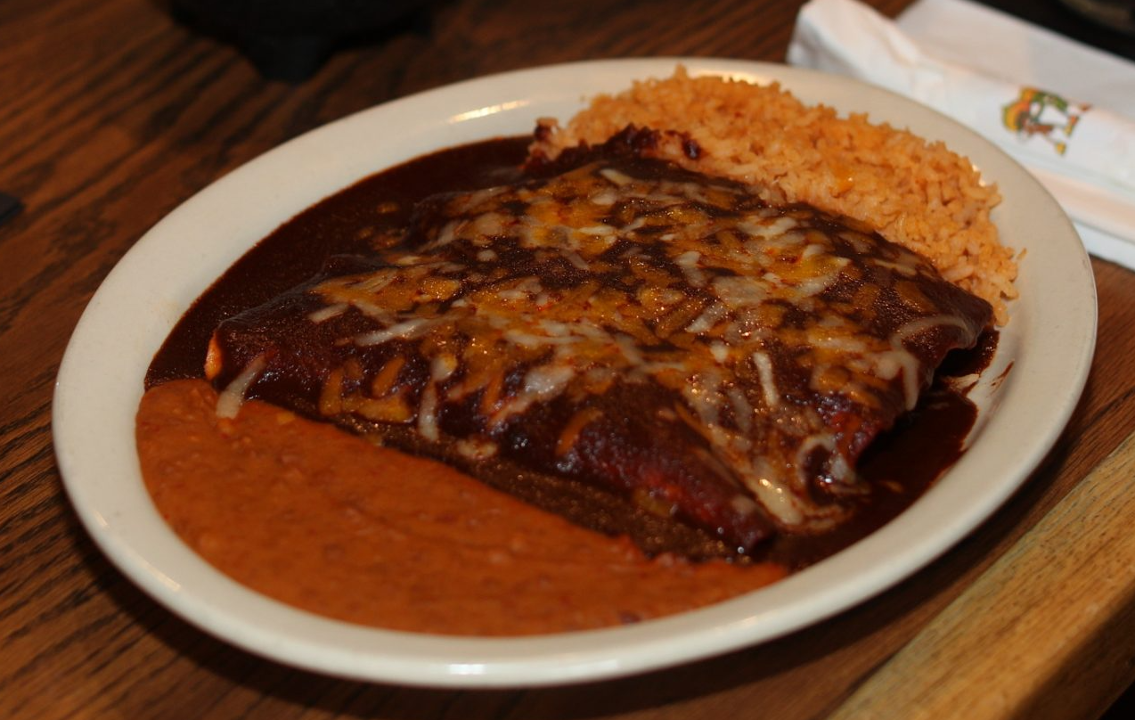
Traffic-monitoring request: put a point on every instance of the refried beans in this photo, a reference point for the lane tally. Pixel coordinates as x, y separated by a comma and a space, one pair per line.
373, 536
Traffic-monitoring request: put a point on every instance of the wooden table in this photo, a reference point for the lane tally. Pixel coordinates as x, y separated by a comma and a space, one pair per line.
112, 114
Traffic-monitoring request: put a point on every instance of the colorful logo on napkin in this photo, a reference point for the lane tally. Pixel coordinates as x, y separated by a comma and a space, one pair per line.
1037, 113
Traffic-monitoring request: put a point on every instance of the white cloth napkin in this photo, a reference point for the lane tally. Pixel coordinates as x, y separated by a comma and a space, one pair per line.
1063, 110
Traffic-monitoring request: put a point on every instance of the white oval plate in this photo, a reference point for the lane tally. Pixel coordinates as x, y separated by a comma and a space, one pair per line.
1048, 344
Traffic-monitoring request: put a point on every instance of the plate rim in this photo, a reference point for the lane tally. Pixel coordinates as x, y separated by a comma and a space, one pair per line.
553, 659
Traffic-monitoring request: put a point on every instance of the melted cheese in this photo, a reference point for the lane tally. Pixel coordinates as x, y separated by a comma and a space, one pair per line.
720, 300
232, 397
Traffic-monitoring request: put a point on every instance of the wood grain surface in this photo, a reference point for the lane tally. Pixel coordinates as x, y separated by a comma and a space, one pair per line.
112, 113
1028, 623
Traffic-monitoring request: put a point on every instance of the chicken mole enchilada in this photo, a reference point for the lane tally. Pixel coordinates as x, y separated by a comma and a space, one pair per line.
625, 368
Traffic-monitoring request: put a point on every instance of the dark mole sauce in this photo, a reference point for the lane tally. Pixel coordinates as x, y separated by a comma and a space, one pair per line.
899, 466
338, 225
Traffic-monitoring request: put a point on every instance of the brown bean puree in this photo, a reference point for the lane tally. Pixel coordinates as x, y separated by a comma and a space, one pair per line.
330, 523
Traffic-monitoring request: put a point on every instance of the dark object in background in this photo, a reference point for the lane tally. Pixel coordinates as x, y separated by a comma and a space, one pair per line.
289, 40
1114, 14
10, 207
1058, 17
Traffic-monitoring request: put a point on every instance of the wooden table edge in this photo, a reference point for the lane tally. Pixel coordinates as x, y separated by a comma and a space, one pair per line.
1035, 635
